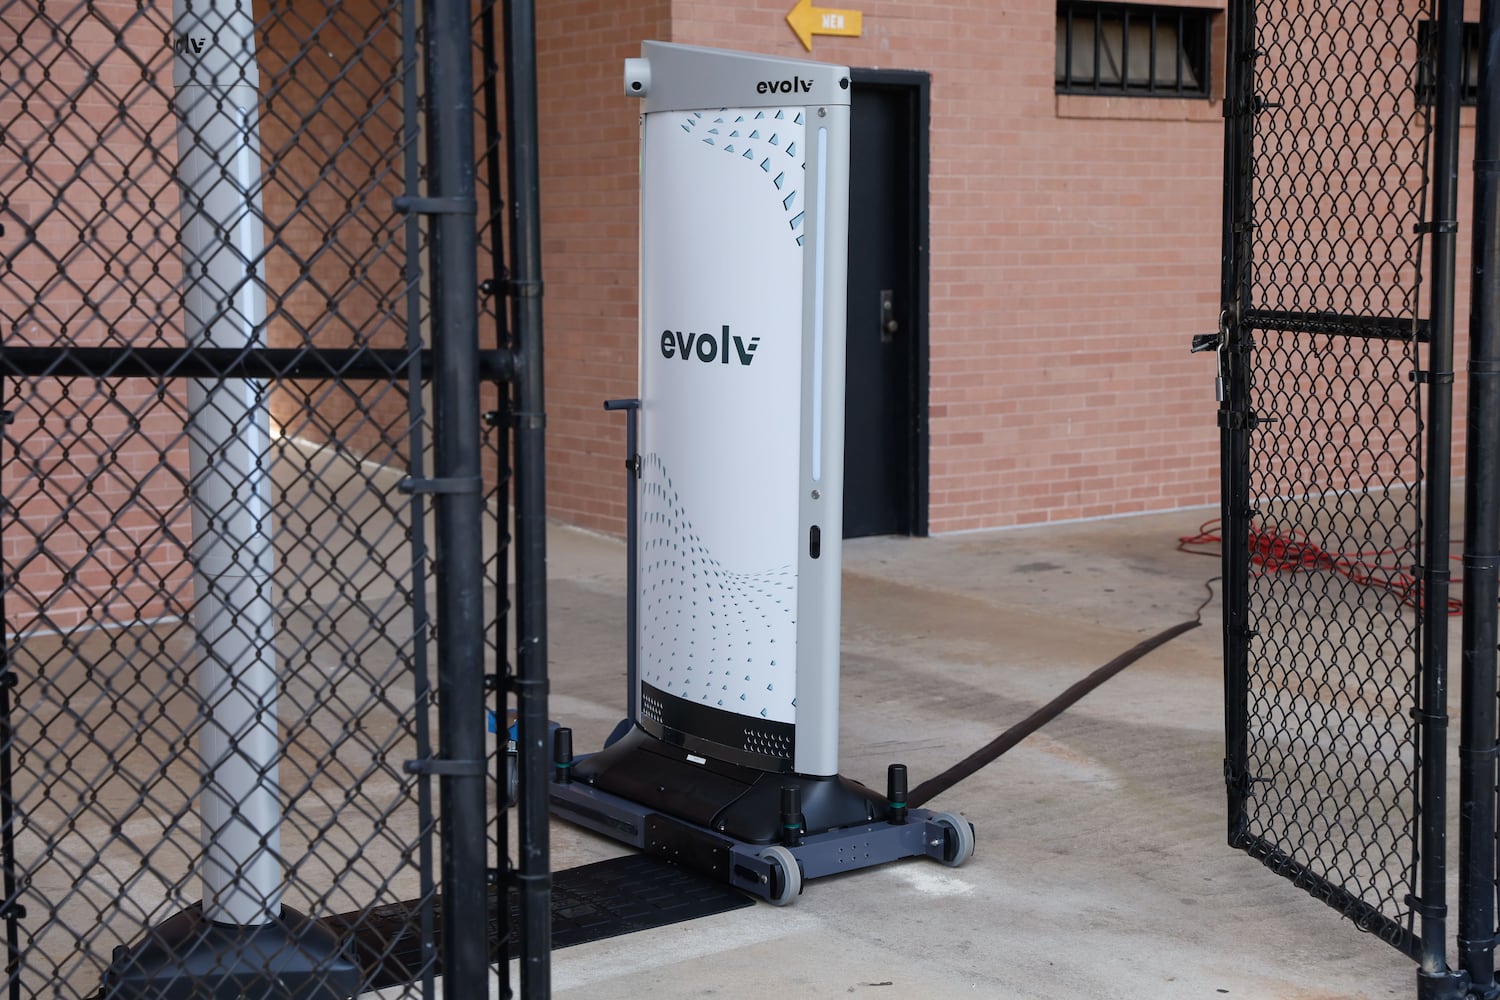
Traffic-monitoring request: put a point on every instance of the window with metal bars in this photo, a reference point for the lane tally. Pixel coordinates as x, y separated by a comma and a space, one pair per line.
1133, 50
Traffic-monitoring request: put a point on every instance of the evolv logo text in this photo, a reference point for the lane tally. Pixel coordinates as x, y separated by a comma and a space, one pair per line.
707, 348
188, 45
796, 85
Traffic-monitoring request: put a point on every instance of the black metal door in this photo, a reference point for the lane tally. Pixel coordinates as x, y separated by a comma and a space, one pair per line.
885, 476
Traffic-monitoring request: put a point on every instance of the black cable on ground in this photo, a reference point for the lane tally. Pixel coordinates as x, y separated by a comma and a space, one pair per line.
992, 750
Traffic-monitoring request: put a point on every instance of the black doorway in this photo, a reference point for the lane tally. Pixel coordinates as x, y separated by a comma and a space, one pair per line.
885, 438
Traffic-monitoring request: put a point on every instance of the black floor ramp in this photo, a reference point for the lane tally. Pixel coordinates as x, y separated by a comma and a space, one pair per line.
631, 893
605, 899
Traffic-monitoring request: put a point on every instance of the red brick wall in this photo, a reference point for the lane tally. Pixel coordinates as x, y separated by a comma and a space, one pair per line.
331, 133
89, 208
1074, 252
589, 147
1074, 246
95, 474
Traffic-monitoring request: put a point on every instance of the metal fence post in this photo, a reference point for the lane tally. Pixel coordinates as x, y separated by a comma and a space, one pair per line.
499, 426
533, 875
456, 487
1481, 559
412, 274
1434, 978
12, 909
1234, 404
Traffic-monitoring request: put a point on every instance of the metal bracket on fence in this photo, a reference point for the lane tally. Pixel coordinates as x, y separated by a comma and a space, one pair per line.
1480, 563
1424, 377
450, 485
1425, 909
15, 911
522, 289
1422, 717
436, 206
1436, 226
1237, 420
447, 768
1238, 782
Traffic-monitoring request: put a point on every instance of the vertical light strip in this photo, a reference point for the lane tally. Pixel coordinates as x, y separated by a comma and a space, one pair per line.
254, 392
820, 255
245, 171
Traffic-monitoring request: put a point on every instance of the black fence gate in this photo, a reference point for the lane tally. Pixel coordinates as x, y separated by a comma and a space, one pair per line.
256, 328
1336, 365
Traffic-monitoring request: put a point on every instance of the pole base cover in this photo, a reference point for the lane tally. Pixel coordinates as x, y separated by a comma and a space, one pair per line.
188, 956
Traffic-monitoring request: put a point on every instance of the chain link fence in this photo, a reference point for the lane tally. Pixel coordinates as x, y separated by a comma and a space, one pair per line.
231, 491
1323, 427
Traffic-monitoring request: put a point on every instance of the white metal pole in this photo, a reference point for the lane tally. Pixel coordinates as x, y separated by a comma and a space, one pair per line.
217, 83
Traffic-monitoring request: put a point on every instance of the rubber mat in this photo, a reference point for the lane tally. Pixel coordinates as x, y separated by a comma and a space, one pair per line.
628, 894
589, 903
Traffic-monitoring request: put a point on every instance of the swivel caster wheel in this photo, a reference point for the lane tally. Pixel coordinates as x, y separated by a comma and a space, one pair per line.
786, 876
958, 839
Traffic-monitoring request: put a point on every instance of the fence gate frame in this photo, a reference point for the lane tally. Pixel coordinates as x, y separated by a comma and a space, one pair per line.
466, 901
1262, 689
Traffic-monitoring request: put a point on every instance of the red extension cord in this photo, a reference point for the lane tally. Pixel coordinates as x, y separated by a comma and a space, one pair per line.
1275, 551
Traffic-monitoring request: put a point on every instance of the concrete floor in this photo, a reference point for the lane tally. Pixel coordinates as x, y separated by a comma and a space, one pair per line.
1101, 869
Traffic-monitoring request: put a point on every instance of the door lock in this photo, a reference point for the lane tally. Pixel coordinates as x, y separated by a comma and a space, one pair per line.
888, 324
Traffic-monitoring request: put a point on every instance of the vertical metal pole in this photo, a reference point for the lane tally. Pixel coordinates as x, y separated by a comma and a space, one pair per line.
1431, 898
632, 408
216, 85
632, 560
411, 166
458, 504
533, 875
500, 427
1481, 561
12, 906
1234, 408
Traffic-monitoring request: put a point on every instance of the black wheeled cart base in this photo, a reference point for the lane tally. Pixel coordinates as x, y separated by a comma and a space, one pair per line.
762, 832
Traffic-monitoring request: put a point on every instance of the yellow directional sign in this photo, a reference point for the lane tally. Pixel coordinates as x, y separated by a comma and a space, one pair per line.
807, 20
